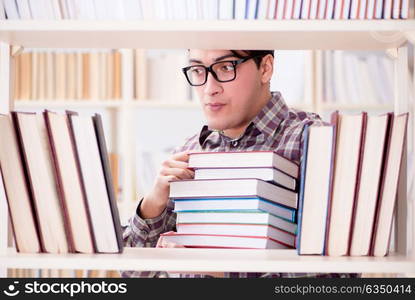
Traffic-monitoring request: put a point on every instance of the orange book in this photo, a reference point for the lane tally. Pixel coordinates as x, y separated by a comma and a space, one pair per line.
117, 75
85, 75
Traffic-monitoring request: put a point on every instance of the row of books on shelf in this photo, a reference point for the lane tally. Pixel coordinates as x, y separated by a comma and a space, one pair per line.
100, 75
354, 77
61, 273
57, 180
74, 75
340, 202
203, 9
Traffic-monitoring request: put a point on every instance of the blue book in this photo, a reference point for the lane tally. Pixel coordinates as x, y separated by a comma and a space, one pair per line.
254, 204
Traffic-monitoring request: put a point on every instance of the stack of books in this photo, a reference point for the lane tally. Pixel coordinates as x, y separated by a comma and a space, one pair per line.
349, 183
237, 200
57, 181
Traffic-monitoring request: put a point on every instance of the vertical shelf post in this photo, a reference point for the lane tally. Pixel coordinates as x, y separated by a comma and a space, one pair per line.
403, 216
6, 80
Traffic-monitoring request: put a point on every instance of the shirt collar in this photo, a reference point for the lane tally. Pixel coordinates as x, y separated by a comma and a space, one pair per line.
267, 121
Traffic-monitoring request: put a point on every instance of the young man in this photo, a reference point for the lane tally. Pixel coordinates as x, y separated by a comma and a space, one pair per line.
242, 115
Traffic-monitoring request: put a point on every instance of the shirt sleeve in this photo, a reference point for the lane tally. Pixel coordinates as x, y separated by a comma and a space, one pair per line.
145, 233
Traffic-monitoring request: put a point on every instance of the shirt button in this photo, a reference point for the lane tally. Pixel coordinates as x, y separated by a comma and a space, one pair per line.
235, 143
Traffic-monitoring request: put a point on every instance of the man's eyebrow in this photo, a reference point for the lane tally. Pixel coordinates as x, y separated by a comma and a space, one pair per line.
216, 59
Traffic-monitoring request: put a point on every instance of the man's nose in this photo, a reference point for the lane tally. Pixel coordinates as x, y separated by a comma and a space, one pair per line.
212, 86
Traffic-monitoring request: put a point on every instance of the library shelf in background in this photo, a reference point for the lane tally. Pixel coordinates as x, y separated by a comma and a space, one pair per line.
292, 34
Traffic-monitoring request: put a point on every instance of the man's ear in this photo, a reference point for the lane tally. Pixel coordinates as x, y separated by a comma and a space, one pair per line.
267, 68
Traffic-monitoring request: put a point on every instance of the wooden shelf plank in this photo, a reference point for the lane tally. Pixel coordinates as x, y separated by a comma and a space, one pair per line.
220, 260
204, 34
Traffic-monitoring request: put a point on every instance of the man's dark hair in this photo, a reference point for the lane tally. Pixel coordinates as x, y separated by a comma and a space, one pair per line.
259, 53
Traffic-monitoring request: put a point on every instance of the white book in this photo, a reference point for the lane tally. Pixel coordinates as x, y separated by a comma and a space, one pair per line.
10, 8
192, 9
378, 10
367, 83
12, 180
322, 4
305, 9
71, 9
225, 9
183, 9
101, 10
222, 241
169, 4
262, 9
297, 9
266, 174
387, 9
118, 10
236, 218
56, 9
238, 230
69, 181
288, 9
367, 194
313, 9
346, 9
396, 9
338, 10
94, 183
389, 188
315, 189
271, 9
24, 9
351, 91
280, 10
404, 9
202, 12
148, 8
232, 204
379, 86
340, 93
132, 10
160, 9
64, 9
370, 9
251, 9
242, 159
330, 9
385, 69
354, 9
40, 168
362, 9
2, 11
345, 174
201, 188
48, 8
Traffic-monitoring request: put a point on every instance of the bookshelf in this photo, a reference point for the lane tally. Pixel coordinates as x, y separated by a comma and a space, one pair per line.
289, 34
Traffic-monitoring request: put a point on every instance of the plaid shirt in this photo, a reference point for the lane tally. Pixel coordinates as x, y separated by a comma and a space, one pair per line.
276, 128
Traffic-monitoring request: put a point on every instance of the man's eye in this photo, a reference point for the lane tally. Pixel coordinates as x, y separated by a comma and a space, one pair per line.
227, 68
197, 71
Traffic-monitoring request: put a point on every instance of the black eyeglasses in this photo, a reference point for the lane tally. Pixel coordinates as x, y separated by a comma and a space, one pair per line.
222, 71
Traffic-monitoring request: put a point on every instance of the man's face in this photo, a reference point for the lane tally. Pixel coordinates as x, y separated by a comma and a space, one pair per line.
227, 105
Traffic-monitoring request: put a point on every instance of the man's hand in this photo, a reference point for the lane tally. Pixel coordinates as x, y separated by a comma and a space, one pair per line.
174, 168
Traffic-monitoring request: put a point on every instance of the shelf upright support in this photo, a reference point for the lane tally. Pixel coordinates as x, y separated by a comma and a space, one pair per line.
125, 129
403, 216
6, 104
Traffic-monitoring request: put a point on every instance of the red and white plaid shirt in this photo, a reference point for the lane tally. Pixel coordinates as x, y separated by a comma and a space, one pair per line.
277, 128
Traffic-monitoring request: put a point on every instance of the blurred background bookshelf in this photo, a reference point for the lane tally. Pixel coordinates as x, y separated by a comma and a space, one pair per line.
142, 121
